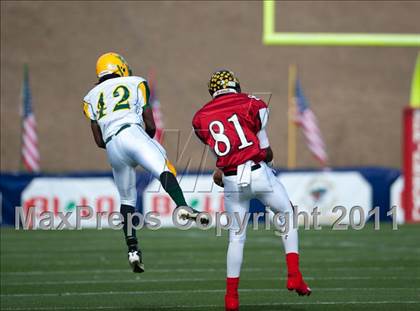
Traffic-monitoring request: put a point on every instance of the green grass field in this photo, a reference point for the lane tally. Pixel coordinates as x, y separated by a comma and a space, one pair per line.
87, 270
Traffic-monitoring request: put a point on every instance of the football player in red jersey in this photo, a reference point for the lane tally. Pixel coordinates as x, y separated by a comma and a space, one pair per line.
233, 125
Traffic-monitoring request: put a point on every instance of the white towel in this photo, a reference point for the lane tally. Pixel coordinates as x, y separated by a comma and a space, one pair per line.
244, 174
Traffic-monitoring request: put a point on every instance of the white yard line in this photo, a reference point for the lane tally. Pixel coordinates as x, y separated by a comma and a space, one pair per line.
274, 252
197, 291
170, 280
48, 272
177, 307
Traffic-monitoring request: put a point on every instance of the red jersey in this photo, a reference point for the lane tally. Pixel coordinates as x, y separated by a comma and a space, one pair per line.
229, 125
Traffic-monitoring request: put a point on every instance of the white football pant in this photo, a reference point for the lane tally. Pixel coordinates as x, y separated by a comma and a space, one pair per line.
132, 147
265, 187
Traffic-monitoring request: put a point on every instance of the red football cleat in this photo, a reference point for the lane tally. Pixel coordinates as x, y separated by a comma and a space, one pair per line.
295, 282
232, 297
231, 303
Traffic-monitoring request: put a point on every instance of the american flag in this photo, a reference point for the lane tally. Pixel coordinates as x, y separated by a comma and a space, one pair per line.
157, 114
30, 152
307, 120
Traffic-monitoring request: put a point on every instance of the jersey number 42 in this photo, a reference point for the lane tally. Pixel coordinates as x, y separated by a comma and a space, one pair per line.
122, 93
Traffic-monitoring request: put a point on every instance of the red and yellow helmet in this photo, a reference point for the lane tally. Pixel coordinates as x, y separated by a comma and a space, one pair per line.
112, 63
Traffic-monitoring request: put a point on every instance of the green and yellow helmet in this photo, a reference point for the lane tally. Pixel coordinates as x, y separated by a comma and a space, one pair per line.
112, 63
221, 81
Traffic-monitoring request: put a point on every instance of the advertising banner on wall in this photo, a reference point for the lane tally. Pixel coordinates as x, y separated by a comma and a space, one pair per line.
66, 192
86, 202
326, 190
411, 169
200, 193
396, 198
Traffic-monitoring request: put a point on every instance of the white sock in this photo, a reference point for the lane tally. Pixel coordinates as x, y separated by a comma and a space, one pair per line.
234, 258
291, 239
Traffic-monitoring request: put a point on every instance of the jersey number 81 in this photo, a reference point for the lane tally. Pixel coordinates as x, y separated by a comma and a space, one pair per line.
220, 138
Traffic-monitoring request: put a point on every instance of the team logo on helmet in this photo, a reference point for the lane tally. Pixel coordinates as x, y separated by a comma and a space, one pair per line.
223, 80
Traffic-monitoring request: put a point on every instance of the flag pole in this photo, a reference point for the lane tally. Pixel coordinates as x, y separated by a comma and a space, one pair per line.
291, 126
25, 77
